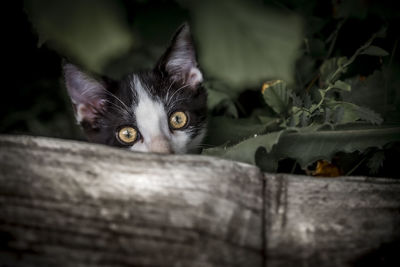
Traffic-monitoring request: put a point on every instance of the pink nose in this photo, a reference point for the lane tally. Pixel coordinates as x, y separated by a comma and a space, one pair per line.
159, 144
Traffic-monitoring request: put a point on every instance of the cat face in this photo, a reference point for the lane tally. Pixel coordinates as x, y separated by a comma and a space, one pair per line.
162, 110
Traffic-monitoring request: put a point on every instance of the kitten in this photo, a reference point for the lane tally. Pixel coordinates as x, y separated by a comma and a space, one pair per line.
162, 110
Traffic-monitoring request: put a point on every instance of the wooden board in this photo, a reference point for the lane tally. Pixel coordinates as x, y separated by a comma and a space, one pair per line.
67, 203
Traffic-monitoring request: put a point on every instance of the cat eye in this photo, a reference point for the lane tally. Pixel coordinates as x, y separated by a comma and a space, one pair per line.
127, 135
178, 120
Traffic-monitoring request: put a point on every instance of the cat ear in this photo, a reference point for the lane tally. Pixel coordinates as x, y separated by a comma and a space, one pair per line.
179, 60
87, 94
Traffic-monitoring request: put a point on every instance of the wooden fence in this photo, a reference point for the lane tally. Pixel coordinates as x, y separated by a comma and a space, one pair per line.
67, 203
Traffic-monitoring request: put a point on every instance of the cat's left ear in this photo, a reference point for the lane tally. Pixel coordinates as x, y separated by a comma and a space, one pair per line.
88, 95
179, 60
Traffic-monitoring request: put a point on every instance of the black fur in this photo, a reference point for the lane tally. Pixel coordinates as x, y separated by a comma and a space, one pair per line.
107, 100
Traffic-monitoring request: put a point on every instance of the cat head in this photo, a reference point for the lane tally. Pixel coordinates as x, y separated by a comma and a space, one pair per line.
161, 110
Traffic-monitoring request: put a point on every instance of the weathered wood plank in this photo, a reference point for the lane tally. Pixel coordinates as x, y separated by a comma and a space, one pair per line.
88, 205
331, 222
65, 203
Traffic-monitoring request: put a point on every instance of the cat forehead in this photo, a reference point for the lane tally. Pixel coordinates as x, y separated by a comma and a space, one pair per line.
146, 81
143, 91
156, 87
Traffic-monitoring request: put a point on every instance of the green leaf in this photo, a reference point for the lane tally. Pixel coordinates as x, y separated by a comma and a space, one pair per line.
267, 119
377, 92
214, 98
369, 115
245, 151
296, 100
376, 162
92, 33
329, 67
342, 86
307, 147
223, 130
338, 115
244, 43
328, 115
276, 95
349, 113
307, 101
221, 103
375, 51
352, 112
305, 72
304, 119
346, 9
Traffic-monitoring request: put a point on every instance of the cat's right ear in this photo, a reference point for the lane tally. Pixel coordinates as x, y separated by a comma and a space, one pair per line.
88, 95
179, 60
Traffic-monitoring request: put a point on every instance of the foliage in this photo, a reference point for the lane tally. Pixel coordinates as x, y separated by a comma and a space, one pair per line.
69, 27
298, 80
241, 47
315, 122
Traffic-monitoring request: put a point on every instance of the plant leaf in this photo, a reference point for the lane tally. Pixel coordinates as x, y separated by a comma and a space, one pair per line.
91, 33
304, 119
245, 151
376, 162
375, 51
305, 147
338, 115
329, 67
217, 100
369, 115
222, 130
353, 112
377, 92
276, 95
308, 147
214, 98
342, 86
328, 115
296, 100
248, 44
307, 101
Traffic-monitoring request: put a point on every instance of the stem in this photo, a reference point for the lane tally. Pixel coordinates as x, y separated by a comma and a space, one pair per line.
351, 60
293, 167
312, 82
240, 107
389, 74
322, 98
334, 36
355, 167
342, 68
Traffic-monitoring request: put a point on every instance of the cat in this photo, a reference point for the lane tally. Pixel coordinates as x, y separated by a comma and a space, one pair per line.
162, 110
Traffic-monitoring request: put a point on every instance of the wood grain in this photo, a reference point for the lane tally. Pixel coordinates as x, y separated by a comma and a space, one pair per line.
332, 221
68, 203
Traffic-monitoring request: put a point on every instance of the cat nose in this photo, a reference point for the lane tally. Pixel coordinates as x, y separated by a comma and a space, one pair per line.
159, 144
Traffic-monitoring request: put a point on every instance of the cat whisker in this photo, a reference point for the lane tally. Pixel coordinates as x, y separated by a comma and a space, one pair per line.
178, 90
118, 108
168, 90
175, 103
132, 84
204, 146
119, 100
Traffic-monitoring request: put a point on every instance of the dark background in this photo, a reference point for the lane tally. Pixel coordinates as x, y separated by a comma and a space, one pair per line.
34, 100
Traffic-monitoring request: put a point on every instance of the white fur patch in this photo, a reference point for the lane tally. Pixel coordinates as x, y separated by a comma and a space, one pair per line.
80, 113
152, 123
195, 77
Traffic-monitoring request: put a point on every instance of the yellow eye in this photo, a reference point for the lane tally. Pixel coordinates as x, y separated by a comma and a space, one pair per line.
178, 120
127, 135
